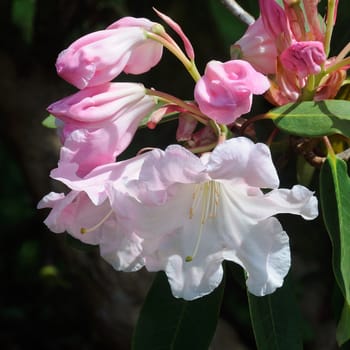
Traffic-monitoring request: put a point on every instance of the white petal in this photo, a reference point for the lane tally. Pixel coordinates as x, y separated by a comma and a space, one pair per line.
174, 165
241, 158
264, 253
95, 182
194, 279
298, 200
120, 248
149, 220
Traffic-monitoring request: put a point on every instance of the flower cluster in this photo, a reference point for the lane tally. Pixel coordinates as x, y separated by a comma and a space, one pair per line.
189, 207
291, 44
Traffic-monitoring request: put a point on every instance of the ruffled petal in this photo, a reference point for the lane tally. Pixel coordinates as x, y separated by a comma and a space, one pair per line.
120, 248
241, 158
258, 206
150, 220
190, 279
261, 247
94, 184
264, 254
73, 212
175, 165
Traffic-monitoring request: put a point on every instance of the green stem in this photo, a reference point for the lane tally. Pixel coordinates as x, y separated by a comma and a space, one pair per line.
309, 89
177, 52
330, 25
338, 65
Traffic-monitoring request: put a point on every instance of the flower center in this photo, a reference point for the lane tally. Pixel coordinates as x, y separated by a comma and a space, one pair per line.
95, 227
206, 200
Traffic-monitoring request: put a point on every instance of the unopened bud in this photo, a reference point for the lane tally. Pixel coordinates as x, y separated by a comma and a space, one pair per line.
158, 29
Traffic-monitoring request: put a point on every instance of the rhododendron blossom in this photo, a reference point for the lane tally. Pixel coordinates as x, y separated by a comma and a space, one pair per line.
99, 57
201, 211
185, 208
225, 91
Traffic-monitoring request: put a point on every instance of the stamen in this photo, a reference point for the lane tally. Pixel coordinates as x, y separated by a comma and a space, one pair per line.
84, 230
208, 194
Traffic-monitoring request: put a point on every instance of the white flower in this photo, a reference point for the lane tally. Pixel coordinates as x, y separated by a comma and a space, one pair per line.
192, 213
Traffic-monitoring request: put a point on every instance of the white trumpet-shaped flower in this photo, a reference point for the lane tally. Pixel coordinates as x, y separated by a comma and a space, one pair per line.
192, 213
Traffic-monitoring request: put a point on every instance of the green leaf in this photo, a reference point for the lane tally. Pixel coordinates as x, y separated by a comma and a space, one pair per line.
313, 119
335, 204
176, 324
275, 319
49, 122
343, 329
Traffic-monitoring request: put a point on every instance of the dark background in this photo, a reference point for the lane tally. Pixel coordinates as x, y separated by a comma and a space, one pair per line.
53, 295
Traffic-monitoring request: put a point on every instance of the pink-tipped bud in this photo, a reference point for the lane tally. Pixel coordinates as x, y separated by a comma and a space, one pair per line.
304, 58
157, 115
99, 122
275, 20
99, 57
187, 125
173, 25
316, 24
257, 47
225, 91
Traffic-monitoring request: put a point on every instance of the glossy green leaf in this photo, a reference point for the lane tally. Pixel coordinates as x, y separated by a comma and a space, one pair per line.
335, 204
49, 122
276, 320
175, 324
343, 329
312, 119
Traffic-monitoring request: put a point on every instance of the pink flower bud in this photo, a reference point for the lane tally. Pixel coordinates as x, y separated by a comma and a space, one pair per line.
97, 103
99, 122
225, 91
187, 125
304, 58
173, 25
257, 47
203, 137
275, 19
99, 57
157, 115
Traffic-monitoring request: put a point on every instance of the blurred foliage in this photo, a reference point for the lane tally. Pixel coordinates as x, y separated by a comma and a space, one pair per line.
36, 298
40, 306
23, 12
